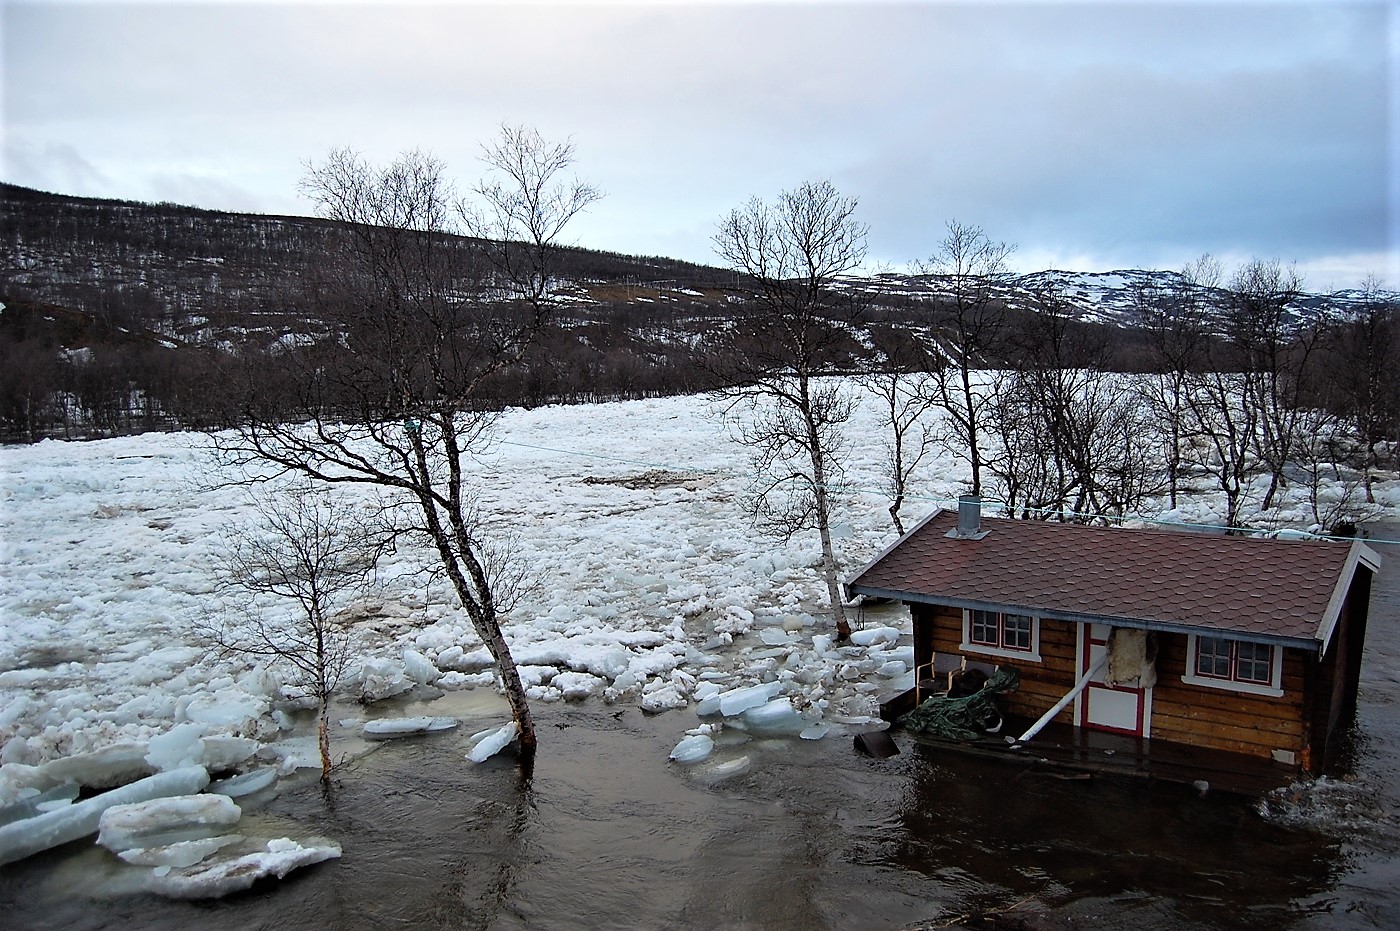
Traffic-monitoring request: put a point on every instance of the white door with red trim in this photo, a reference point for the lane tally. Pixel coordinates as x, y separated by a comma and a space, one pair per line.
1103, 707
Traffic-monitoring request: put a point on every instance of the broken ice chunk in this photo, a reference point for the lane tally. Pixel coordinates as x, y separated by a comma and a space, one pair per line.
737, 701
162, 821
182, 745
181, 853
229, 710
774, 717
381, 678
726, 770
873, 635
708, 695
693, 749
114, 765
222, 877
577, 686
705, 689
489, 743
39, 802
245, 784
223, 752
385, 728
419, 668
663, 699
815, 732
904, 654
774, 636
25, 838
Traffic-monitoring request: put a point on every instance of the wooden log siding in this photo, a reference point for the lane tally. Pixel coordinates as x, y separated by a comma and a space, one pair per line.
1042, 683
1200, 716
1222, 719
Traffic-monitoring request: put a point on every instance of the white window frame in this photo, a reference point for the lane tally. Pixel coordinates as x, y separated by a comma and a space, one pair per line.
968, 646
1273, 689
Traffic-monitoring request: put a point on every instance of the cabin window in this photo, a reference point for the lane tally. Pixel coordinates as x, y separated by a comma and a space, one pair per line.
1222, 662
1000, 633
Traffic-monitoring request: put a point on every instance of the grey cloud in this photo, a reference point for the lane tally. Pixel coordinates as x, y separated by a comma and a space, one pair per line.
204, 191
53, 167
1107, 130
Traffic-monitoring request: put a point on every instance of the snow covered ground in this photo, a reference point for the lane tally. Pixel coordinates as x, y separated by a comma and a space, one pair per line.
652, 587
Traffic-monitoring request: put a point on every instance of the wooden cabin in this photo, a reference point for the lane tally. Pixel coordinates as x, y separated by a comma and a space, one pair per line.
1238, 644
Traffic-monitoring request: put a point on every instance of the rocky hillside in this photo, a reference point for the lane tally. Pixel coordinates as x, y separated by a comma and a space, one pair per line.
116, 314
199, 277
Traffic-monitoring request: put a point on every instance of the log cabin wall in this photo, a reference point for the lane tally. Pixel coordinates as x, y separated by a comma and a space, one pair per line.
940, 629
1201, 716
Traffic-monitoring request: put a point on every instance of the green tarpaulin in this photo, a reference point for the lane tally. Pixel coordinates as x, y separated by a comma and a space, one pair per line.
964, 718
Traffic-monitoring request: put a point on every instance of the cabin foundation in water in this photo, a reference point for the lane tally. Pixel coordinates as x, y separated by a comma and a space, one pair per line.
1239, 653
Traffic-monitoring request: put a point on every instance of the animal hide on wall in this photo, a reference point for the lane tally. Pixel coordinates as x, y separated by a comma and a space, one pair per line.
1132, 659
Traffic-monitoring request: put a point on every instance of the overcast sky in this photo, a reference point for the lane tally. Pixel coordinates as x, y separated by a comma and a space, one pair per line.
1091, 135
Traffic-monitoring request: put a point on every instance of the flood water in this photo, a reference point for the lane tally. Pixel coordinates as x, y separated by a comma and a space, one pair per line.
609, 834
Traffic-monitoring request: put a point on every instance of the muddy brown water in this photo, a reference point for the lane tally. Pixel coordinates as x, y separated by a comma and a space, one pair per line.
609, 834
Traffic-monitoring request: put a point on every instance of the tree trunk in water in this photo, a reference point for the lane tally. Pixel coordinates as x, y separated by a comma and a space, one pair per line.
833, 585
515, 692
486, 623
323, 739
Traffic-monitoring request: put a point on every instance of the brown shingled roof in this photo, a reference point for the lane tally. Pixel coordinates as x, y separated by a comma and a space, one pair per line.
1273, 589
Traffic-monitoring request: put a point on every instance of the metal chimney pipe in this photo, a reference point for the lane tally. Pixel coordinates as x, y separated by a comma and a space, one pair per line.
969, 516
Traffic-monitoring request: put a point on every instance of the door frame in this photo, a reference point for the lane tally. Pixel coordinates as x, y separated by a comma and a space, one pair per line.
1096, 635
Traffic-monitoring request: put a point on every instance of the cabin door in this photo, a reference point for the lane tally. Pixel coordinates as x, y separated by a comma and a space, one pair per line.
1103, 707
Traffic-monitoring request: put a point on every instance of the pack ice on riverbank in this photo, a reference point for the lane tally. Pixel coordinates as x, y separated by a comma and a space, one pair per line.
109, 548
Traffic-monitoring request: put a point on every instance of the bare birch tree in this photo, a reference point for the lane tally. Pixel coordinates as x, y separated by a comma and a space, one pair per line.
791, 333
1277, 350
308, 549
1074, 442
1365, 378
902, 386
423, 320
971, 267
1173, 317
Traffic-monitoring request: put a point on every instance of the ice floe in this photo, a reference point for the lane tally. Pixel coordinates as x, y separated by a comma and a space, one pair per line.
245, 783
222, 877
488, 743
401, 727
163, 821
21, 839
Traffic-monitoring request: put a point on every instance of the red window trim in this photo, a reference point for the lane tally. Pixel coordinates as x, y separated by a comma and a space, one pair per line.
1272, 688
1234, 662
1001, 640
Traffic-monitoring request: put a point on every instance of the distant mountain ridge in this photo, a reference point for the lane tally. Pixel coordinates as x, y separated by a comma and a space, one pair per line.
195, 276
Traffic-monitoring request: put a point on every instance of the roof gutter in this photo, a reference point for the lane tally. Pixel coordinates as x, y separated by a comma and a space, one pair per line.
1305, 643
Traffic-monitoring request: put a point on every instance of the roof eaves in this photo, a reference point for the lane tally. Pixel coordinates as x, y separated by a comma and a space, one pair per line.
889, 549
1359, 554
1305, 643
